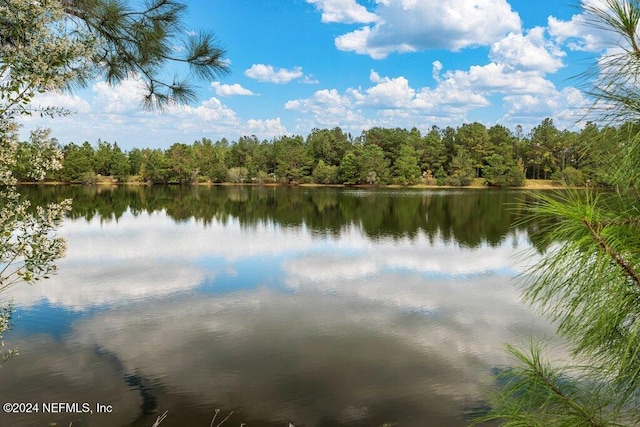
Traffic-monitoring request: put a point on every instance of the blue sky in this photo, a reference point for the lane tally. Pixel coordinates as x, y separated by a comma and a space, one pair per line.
303, 64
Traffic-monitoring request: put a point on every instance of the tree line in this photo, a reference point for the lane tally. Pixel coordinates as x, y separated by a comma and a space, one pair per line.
379, 156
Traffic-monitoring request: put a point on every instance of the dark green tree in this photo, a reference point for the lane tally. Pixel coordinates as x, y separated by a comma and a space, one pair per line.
432, 151
372, 166
501, 172
103, 158
325, 174
135, 161
474, 137
155, 166
462, 169
292, 159
348, 172
327, 145
78, 165
120, 168
182, 164
407, 170
544, 142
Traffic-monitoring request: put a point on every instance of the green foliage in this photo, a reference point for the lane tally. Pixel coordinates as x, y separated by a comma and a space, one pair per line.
182, 164
58, 44
588, 281
569, 176
28, 244
499, 173
544, 142
292, 159
79, 161
238, 175
431, 151
372, 166
474, 137
120, 168
155, 166
406, 166
538, 394
462, 169
31, 157
348, 171
328, 146
325, 174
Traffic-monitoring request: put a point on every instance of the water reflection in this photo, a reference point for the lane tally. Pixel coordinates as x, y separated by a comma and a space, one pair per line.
468, 218
310, 306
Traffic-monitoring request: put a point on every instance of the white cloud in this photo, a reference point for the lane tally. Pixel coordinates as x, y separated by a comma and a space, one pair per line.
73, 103
343, 11
527, 95
409, 25
498, 78
211, 110
395, 102
359, 41
268, 73
577, 34
120, 98
231, 90
388, 93
329, 109
436, 69
528, 52
270, 128
114, 114
568, 107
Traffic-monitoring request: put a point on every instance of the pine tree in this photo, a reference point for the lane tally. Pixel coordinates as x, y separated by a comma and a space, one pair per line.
589, 279
61, 44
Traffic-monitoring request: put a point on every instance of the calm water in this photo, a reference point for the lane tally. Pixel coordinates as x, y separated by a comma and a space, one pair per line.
319, 307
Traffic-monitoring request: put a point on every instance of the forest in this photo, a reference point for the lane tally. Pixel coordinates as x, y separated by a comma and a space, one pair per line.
379, 156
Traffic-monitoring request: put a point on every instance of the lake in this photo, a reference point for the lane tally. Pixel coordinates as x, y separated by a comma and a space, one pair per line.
310, 306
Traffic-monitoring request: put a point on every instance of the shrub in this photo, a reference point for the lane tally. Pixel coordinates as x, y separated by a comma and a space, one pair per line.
569, 176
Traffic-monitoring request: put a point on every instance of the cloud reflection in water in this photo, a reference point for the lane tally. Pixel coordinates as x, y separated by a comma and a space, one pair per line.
343, 327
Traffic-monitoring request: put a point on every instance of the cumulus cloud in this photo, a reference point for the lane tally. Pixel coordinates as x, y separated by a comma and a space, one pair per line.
409, 25
329, 108
498, 78
568, 106
435, 70
528, 52
114, 113
270, 128
268, 73
343, 11
123, 97
387, 93
527, 95
577, 34
394, 101
231, 90
72, 103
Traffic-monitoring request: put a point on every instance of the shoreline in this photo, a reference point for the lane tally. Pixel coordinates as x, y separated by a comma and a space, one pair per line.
530, 184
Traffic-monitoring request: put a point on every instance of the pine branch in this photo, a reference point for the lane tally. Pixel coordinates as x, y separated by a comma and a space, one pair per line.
609, 250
